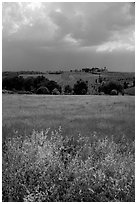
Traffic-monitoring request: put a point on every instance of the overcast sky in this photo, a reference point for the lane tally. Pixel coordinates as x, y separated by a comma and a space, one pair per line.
51, 36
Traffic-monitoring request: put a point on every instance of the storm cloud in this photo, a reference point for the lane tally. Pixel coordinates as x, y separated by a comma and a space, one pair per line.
43, 36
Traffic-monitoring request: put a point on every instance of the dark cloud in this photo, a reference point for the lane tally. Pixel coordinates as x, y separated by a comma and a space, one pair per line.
41, 35
93, 23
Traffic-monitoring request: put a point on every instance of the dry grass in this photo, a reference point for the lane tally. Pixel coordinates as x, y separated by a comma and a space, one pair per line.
46, 167
90, 159
85, 114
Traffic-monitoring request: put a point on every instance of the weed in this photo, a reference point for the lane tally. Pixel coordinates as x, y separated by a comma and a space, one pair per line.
47, 166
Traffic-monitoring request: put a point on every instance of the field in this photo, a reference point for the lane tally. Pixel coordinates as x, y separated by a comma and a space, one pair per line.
86, 155
112, 115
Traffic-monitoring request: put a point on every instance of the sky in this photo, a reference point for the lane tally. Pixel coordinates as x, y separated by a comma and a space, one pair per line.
68, 35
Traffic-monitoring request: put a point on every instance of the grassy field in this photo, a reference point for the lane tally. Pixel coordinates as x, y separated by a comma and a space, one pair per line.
40, 168
111, 115
86, 155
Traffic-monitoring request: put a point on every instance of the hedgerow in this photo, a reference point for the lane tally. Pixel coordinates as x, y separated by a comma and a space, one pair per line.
47, 166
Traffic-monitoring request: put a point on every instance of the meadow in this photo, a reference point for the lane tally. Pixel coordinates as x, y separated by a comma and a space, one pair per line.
112, 115
68, 148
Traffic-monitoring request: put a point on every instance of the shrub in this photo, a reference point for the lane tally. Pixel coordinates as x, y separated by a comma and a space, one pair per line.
42, 90
114, 92
80, 87
125, 85
83, 91
68, 89
112, 85
133, 83
55, 92
51, 85
38, 81
29, 84
47, 166
24, 92
13, 82
7, 92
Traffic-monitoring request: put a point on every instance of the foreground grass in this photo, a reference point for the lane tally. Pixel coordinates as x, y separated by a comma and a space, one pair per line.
47, 166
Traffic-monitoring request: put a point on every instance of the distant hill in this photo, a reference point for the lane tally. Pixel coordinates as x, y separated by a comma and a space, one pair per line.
94, 80
10, 73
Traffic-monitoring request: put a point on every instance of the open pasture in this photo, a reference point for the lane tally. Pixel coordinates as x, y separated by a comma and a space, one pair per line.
106, 115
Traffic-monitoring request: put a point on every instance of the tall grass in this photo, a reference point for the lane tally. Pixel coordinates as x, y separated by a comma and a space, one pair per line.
47, 166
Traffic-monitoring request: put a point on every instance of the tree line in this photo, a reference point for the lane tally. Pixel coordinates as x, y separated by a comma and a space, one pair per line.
42, 85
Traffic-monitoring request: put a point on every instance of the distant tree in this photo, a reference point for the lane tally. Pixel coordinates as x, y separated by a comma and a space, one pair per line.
125, 85
29, 84
38, 81
79, 86
68, 89
42, 90
134, 83
83, 91
55, 92
20, 83
11, 83
51, 85
108, 87
114, 92
44, 82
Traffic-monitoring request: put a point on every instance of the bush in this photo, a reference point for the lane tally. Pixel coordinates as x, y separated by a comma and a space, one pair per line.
55, 92
68, 89
125, 85
114, 92
13, 82
38, 81
33, 84
24, 92
42, 90
112, 85
29, 84
51, 85
80, 88
47, 167
133, 83
7, 92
